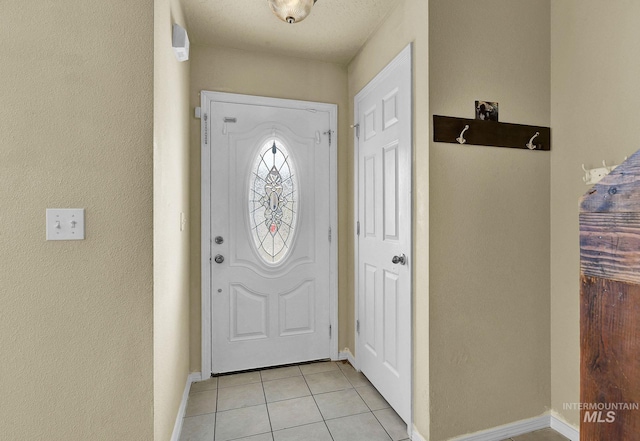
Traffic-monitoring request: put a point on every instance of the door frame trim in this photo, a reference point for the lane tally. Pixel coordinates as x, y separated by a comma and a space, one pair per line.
207, 97
407, 52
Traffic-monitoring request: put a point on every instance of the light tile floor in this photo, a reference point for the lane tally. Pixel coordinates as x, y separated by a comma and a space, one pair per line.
539, 435
323, 401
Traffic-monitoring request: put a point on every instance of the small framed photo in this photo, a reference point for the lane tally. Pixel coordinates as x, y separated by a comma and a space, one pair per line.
487, 110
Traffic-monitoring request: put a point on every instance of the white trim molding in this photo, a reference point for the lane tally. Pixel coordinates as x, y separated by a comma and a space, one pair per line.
347, 355
417, 436
563, 428
508, 430
177, 428
545, 421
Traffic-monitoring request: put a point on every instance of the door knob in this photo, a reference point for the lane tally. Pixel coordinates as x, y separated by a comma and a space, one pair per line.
219, 258
401, 259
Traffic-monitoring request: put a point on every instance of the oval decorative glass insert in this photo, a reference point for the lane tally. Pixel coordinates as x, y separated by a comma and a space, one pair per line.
273, 202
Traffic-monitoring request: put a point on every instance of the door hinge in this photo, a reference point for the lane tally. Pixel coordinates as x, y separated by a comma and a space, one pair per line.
329, 234
329, 133
357, 127
358, 326
329, 331
358, 228
198, 112
206, 128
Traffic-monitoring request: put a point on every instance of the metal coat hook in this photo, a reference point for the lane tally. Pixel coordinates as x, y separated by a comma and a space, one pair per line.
594, 175
609, 167
461, 139
530, 144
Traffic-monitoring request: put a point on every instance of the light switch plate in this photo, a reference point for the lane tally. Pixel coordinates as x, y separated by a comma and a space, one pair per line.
65, 223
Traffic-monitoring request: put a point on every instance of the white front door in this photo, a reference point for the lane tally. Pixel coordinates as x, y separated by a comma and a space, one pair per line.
270, 216
383, 112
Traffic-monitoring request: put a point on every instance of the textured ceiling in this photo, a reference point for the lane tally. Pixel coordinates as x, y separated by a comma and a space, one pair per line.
334, 31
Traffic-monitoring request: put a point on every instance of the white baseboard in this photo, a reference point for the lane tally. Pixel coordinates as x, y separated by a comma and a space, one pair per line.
508, 430
563, 428
347, 355
177, 428
417, 436
521, 427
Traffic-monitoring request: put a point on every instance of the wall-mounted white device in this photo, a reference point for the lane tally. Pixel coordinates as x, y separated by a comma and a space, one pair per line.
180, 43
65, 223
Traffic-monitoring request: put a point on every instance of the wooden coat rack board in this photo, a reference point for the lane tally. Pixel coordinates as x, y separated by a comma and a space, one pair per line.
490, 133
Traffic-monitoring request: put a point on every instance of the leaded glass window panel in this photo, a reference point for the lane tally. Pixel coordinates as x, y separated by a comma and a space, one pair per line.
273, 202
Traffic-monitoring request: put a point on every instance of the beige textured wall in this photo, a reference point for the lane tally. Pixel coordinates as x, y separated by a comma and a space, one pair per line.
594, 105
171, 198
76, 131
490, 228
408, 23
255, 73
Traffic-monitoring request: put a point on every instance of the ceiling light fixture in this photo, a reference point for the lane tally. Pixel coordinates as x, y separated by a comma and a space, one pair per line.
291, 11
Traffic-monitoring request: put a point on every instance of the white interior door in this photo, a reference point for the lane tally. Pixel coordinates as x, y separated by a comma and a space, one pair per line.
383, 112
270, 216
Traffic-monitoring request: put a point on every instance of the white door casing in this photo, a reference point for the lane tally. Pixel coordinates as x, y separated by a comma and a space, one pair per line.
269, 289
383, 156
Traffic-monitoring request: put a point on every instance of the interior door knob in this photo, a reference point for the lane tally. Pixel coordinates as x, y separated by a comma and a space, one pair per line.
219, 258
401, 259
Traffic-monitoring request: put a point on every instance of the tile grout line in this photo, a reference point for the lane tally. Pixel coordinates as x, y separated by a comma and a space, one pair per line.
215, 415
374, 415
314, 400
382, 425
266, 405
358, 393
362, 398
